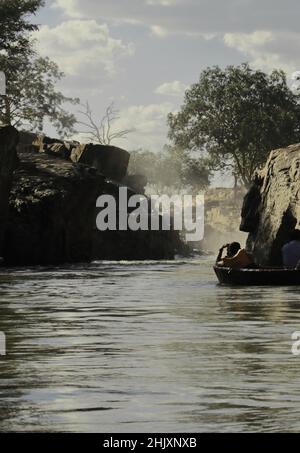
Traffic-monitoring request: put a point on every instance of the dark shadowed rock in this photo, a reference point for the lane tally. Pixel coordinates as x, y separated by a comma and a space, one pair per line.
136, 182
108, 160
251, 205
272, 208
52, 206
26, 142
53, 213
52, 216
62, 150
136, 245
8, 161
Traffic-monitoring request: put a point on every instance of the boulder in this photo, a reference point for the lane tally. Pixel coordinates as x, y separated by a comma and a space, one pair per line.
111, 161
136, 182
108, 160
27, 142
62, 150
271, 208
8, 161
32, 142
42, 142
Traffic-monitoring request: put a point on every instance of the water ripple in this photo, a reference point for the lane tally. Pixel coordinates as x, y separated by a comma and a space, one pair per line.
146, 346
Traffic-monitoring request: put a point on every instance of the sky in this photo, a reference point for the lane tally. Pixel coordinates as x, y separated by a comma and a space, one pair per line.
143, 54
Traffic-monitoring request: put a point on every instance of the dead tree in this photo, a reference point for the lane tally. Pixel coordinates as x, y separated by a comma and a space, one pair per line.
103, 132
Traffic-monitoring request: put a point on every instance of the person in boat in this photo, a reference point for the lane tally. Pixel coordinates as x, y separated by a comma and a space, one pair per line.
291, 251
236, 257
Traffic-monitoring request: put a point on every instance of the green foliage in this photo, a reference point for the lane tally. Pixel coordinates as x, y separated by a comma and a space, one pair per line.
31, 95
15, 26
237, 116
172, 168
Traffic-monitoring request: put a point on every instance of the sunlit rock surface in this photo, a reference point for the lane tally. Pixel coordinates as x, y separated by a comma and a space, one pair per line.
111, 161
271, 208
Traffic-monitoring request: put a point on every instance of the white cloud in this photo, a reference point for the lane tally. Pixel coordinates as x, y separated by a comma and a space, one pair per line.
175, 88
149, 123
248, 42
162, 2
69, 7
159, 31
268, 50
192, 16
82, 47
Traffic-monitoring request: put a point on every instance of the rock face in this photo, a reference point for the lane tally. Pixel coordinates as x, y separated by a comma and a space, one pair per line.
222, 218
136, 182
8, 162
271, 208
52, 207
52, 211
108, 160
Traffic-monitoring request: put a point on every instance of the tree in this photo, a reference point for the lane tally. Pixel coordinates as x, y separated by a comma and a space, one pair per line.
171, 168
236, 116
179, 170
31, 95
144, 162
102, 132
15, 28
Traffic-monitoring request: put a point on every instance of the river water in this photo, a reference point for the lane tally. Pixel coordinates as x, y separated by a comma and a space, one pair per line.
146, 347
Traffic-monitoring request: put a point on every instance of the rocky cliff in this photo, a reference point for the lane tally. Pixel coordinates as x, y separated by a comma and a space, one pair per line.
52, 207
222, 218
8, 162
271, 208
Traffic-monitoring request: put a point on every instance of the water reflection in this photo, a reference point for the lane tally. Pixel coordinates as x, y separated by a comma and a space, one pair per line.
146, 347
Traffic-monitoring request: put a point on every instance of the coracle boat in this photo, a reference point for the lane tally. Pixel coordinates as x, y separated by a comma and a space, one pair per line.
258, 277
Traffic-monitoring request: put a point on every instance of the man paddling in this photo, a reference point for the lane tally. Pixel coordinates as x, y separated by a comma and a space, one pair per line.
236, 258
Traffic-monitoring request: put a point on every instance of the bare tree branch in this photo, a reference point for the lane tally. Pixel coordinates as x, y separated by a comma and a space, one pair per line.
103, 133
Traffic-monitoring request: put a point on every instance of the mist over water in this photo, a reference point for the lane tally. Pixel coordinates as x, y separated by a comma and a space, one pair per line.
146, 347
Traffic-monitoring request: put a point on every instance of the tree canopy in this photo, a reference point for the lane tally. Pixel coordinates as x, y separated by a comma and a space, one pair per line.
237, 116
171, 168
15, 26
32, 97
